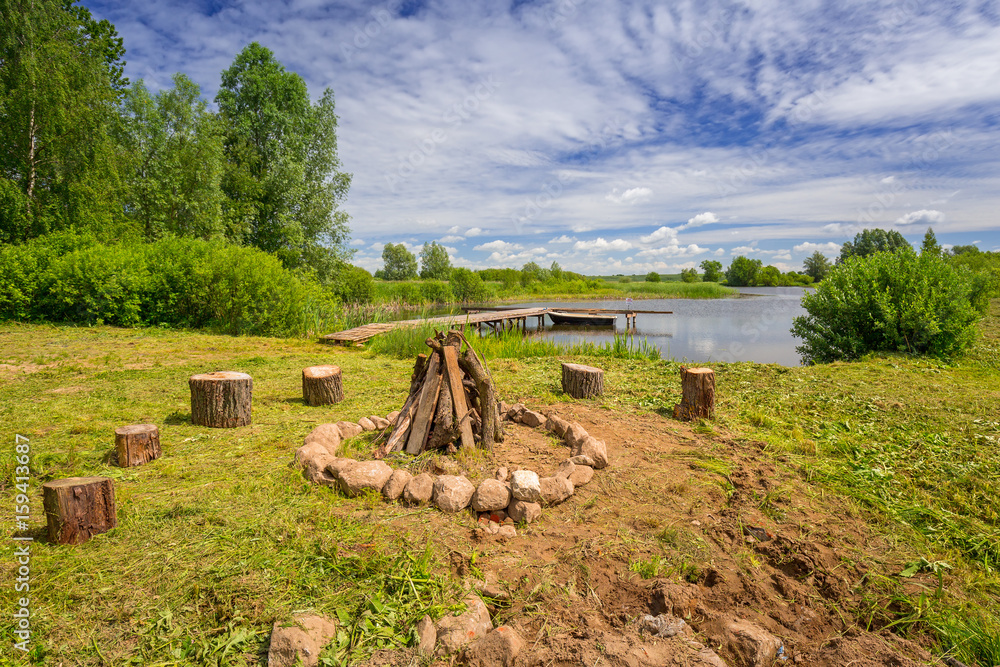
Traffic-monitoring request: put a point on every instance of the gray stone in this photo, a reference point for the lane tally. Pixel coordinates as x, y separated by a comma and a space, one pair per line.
499, 648
328, 435
582, 460
392, 416
595, 449
557, 425
315, 470
454, 632
747, 644
663, 625
310, 451
426, 636
336, 466
381, 423
393, 488
504, 409
575, 434
419, 490
519, 511
555, 490
300, 642
515, 411
581, 475
491, 495
532, 418
452, 493
565, 469
348, 430
524, 486
502, 474
364, 476
506, 532
366, 424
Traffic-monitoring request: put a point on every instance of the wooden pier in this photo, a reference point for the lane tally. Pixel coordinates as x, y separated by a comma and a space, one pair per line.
498, 319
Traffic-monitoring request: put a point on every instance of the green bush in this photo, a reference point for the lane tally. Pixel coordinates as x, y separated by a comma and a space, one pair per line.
652, 277
436, 291
888, 302
689, 275
354, 285
467, 286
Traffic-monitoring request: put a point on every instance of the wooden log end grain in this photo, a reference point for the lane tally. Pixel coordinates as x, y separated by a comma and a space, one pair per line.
77, 508
322, 385
697, 394
581, 381
137, 444
221, 399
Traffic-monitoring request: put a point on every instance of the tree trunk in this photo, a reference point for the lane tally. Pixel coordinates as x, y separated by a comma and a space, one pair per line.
221, 399
137, 444
581, 381
77, 508
697, 394
322, 385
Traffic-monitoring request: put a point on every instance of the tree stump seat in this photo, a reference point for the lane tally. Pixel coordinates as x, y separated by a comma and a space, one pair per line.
322, 385
581, 381
77, 508
221, 399
137, 444
697, 394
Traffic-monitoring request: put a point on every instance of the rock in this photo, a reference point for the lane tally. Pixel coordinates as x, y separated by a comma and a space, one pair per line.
595, 449
419, 490
327, 435
380, 422
524, 486
348, 430
426, 636
454, 632
366, 424
393, 488
506, 532
519, 511
445, 465
498, 648
581, 475
315, 469
744, 643
582, 460
452, 493
336, 466
555, 490
491, 495
565, 469
492, 527
663, 625
514, 412
300, 642
364, 476
306, 452
504, 408
502, 474
499, 515
393, 416
557, 425
575, 434
532, 418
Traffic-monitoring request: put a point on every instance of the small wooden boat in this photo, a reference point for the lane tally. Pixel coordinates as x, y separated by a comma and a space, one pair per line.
593, 319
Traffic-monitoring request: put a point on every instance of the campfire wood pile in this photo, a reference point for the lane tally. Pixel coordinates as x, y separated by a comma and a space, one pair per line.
452, 400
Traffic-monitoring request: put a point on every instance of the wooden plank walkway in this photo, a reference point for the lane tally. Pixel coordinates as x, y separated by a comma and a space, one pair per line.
501, 318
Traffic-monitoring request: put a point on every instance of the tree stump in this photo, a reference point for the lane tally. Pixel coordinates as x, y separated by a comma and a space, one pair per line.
581, 381
77, 508
221, 399
697, 394
137, 444
322, 385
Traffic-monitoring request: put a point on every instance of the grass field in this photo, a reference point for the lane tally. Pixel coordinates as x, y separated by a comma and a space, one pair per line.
221, 537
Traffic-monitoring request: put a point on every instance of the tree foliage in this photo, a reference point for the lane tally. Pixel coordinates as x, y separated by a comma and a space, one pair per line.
467, 286
870, 241
930, 243
434, 262
816, 266
689, 275
743, 271
653, 277
398, 263
712, 271
889, 302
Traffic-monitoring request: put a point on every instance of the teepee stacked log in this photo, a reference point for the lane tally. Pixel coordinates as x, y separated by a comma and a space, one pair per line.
451, 402
221, 399
322, 385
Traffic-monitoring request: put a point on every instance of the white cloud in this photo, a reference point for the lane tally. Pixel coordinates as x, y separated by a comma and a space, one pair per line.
563, 239
705, 218
661, 234
673, 250
453, 230
451, 239
809, 247
630, 196
618, 245
499, 245
474, 231
921, 217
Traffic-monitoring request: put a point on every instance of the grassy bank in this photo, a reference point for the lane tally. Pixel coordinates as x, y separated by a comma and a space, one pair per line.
220, 537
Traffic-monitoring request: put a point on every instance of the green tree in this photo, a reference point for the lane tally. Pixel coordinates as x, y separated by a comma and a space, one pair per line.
743, 271
870, 241
283, 178
689, 275
434, 262
398, 262
816, 265
354, 285
654, 277
60, 80
557, 272
176, 161
712, 271
930, 243
769, 276
530, 273
467, 286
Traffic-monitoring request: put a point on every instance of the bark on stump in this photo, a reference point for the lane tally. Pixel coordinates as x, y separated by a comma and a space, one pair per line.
77, 508
137, 444
322, 385
221, 399
697, 394
581, 381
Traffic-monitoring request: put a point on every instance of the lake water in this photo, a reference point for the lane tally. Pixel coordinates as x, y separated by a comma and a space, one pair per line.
753, 327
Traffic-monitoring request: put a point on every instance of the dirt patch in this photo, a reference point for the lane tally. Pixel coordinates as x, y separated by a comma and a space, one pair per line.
706, 527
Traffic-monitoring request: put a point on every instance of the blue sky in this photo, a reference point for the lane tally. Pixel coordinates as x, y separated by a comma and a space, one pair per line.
627, 136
